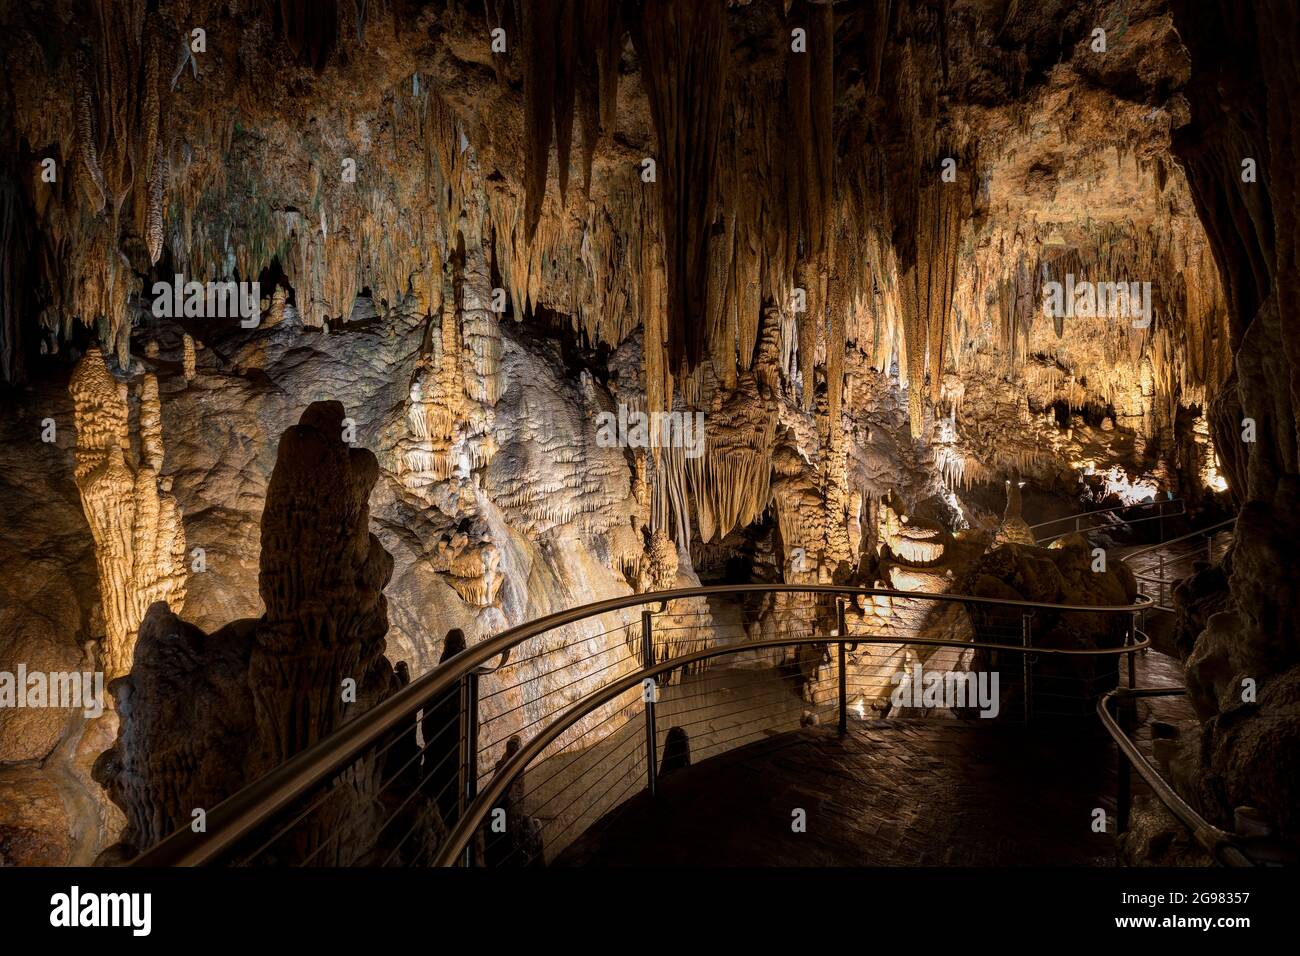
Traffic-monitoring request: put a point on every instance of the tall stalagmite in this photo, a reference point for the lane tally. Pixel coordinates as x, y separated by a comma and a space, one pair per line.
135, 521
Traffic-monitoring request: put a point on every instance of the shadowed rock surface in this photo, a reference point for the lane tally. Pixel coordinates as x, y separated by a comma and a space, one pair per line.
201, 715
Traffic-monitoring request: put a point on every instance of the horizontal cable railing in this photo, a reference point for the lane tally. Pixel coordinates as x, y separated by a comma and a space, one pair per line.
510, 773
508, 751
1159, 568
1119, 516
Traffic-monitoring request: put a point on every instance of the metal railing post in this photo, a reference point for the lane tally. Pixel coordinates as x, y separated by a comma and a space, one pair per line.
1123, 775
1124, 772
1132, 655
1209, 547
651, 730
276, 794
468, 750
844, 674
1026, 639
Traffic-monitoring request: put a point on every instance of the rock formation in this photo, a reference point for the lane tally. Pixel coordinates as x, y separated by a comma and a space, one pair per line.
1014, 529
202, 715
135, 521
1242, 667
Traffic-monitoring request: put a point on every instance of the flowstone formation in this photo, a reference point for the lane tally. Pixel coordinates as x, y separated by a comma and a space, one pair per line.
201, 715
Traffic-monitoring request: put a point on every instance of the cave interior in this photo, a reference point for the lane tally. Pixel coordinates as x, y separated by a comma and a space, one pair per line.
330, 329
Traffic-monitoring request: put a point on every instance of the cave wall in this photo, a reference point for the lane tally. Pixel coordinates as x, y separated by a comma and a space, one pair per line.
1243, 624
1069, 173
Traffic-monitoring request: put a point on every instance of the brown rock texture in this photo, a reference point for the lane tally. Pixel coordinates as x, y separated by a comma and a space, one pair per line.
139, 538
201, 715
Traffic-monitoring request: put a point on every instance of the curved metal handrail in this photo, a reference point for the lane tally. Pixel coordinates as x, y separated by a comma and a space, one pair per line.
1220, 844
278, 789
1210, 530
1158, 502
474, 814
1157, 578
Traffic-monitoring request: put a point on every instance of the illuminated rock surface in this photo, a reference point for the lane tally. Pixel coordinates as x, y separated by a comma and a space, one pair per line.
839, 233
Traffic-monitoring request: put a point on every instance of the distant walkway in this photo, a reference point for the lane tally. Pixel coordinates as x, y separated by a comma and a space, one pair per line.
1179, 553
1159, 568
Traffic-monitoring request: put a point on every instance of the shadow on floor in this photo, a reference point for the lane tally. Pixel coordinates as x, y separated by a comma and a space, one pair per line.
890, 793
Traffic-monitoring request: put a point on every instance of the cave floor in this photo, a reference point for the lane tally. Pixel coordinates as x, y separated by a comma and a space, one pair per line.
889, 793
896, 792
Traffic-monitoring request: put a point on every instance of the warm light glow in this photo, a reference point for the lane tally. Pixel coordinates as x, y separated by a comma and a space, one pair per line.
1211, 477
1117, 482
960, 522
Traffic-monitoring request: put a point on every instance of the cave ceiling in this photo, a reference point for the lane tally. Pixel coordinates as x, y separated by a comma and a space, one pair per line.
774, 170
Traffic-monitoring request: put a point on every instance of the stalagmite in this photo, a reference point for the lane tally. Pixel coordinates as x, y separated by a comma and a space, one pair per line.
135, 521
840, 236
189, 360
321, 580
276, 682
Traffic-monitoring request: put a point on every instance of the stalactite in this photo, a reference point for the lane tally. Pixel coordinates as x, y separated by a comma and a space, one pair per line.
811, 96
655, 317
729, 483
157, 191
758, 192
721, 319
602, 23
146, 149
539, 20
684, 55
807, 328
927, 286
875, 34
567, 43
14, 228
87, 137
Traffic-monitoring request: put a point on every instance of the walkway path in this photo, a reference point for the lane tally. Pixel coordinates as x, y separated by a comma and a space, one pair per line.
890, 793
896, 792
1181, 553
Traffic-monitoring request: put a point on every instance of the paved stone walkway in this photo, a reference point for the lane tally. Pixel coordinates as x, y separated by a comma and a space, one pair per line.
1178, 555
897, 792
891, 793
